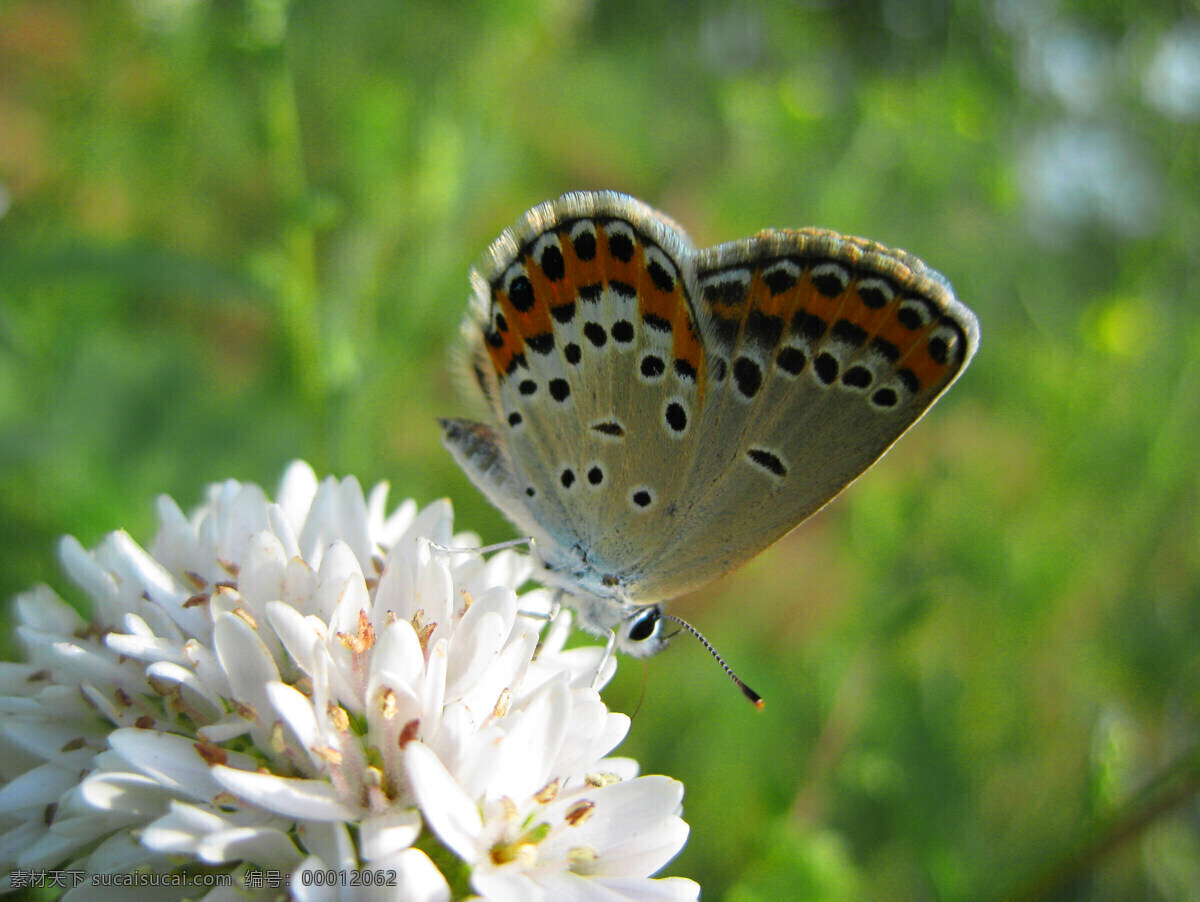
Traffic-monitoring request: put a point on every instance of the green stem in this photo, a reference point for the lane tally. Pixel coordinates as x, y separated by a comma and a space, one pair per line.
1171, 788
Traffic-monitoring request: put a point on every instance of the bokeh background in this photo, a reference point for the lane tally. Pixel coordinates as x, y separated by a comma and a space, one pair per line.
234, 233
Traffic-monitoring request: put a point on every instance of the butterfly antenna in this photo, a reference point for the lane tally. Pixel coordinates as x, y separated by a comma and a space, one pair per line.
746, 690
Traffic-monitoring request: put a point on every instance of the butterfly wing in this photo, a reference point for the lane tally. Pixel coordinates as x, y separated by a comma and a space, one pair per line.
660, 415
822, 351
588, 353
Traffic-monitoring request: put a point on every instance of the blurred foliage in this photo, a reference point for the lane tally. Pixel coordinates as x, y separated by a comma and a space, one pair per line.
235, 232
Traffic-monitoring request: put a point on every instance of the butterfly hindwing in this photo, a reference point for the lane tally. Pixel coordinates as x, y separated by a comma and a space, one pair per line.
823, 350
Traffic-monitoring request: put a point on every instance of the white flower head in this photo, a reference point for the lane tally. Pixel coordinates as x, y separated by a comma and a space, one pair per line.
307, 689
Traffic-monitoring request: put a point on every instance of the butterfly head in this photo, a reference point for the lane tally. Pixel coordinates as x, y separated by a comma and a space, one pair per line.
641, 633
604, 610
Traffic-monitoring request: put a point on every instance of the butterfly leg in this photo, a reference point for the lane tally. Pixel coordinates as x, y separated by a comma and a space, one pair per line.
546, 616
598, 679
486, 549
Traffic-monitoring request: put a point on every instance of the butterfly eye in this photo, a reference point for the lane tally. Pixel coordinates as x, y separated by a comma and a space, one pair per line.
644, 624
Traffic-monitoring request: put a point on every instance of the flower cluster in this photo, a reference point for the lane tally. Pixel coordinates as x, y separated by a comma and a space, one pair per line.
312, 695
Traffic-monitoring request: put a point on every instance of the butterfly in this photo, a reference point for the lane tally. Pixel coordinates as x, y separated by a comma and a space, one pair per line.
657, 415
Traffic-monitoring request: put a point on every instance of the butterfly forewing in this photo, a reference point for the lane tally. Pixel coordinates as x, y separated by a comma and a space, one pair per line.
592, 358
823, 350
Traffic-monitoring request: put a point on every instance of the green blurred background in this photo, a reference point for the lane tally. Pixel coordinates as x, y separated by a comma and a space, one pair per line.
236, 233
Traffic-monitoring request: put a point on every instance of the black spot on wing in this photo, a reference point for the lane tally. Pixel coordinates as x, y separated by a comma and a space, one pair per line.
552, 263
585, 245
662, 279
767, 460
620, 246
763, 329
747, 375
520, 294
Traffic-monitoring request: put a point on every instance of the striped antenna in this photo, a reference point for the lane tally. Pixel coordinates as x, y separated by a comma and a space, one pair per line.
746, 690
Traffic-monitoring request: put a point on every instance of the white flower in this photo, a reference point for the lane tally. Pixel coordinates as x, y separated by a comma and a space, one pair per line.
295, 691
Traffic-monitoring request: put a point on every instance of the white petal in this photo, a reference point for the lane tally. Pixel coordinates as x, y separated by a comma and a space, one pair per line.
245, 659
299, 634
447, 809
171, 760
646, 855
296, 711
398, 650
505, 671
473, 647
512, 887
433, 689
247, 517
41, 609
145, 648
532, 743
49, 849
139, 570
81, 566
341, 591
195, 692
435, 522
261, 577
181, 827
207, 666
665, 889
418, 879
174, 545
318, 533
228, 727
75, 663
396, 592
390, 527
386, 834
281, 528
353, 520
434, 593
499, 598
633, 821
46, 740
310, 799
267, 847
296, 492
303, 890
35, 789
330, 842
131, 797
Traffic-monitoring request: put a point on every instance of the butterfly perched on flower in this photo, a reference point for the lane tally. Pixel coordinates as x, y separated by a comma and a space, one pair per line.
660, 414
